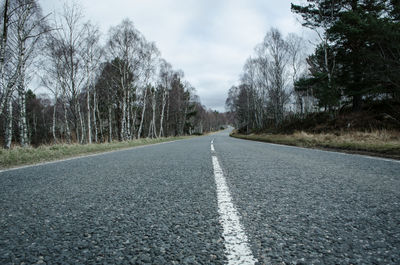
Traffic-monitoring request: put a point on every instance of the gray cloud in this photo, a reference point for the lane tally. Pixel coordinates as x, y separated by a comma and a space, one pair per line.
208, 39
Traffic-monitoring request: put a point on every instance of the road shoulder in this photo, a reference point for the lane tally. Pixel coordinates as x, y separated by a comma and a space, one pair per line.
27, 157
392, 153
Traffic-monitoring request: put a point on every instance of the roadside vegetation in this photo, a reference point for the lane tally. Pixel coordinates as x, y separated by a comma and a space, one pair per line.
344, 94
19, 156
98, 92
94, 88
380, 143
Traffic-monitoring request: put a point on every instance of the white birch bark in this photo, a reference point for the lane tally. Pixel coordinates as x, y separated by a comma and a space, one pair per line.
152, 129
95, 109
53, 127
109, 124
123, 118
68, 131
128, 118
143, 111
23, 130
3, 44
164, 97
89, 128
134, 123
167, 119
9, 125
81, 123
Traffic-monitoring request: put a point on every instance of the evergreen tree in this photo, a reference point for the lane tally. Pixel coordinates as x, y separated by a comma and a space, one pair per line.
363, 38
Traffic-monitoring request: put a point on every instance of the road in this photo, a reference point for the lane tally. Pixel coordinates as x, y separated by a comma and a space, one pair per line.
193, 202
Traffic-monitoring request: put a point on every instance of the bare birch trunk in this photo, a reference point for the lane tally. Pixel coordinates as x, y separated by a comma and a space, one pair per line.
21, 92
123, 118
161, 134
134, 123
80, 139
143, 111
128, 119
3, 101
152, 128
23, 130
66, 122
101, 130
89, 129
9, 125
167, 127
327, 62
53, 127
94, 116
3, 43
109, 124
3, 40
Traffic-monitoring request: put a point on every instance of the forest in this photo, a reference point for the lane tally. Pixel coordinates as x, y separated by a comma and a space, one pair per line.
350, 81
97, 88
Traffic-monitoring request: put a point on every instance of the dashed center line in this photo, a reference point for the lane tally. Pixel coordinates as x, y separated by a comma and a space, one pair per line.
236, 241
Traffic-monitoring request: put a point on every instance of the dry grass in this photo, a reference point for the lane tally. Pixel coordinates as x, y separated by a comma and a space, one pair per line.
24, 156
382, 142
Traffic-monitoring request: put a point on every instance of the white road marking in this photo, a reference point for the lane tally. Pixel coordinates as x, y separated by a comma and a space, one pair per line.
236, 242
376, 158
212, 147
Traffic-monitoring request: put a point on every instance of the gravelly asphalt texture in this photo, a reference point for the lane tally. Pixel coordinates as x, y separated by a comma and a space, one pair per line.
302, 206
158, 205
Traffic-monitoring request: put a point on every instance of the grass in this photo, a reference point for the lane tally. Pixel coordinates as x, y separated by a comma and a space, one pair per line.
25, 156
381, 143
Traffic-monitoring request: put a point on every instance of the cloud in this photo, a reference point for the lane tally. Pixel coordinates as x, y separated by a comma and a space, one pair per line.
209, 40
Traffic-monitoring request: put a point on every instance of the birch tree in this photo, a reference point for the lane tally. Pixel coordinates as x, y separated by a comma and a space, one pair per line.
22, 27
30, 27
125, 43
165, 78
8, 75
53, 79
266, 85
68, 40
298, 68
150, 54
277, 49
91, 54
7, 65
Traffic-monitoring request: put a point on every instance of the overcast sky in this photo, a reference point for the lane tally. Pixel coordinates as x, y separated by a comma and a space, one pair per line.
208, 39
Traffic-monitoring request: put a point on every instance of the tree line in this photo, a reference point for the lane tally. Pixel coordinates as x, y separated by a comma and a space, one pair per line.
100, 88
354, 63
265, 93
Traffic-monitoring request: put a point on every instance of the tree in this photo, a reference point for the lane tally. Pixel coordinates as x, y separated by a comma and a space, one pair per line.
67, 43
262, 98
23, 25
92, 97
125, 43
7, 69
91, 55
165, 79
30, 27
150, 54
360, 48
319, 16
298, 68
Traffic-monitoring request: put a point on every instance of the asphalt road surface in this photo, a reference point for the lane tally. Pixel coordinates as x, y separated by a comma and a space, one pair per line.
195, 202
